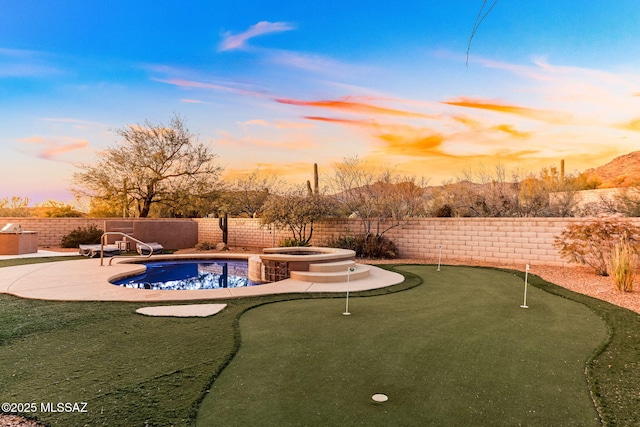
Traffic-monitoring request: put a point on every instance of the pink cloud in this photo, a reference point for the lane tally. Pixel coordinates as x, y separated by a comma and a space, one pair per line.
239, 41
49, 149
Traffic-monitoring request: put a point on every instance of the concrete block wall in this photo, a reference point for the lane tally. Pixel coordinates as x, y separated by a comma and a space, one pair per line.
514, 241
172, 233
492, 240
243, 232
51, 230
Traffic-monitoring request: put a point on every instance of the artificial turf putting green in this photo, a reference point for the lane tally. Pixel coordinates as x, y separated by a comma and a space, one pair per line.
457, 350
141, 371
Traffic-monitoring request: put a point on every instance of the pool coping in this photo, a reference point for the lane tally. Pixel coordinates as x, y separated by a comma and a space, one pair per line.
86, 280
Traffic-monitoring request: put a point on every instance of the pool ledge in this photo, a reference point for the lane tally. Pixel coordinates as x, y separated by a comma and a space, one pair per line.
86, 280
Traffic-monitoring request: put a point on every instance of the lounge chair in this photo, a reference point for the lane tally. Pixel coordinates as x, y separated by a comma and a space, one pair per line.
93, 251
156, 247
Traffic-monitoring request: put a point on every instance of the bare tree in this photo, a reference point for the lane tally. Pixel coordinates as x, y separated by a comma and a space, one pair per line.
627, 202
153, 164
381, 199
246, 195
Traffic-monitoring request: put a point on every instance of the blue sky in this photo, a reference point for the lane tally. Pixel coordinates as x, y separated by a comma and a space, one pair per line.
281, 85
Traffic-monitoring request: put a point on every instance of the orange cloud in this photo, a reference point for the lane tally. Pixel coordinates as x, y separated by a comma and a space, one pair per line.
531, 113
52, 148
398, 139
356, 107
512, 131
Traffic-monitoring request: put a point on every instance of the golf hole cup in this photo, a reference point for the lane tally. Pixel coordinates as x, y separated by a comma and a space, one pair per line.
379, 397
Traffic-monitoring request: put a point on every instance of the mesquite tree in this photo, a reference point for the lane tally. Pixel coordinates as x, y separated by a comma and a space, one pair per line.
152, 164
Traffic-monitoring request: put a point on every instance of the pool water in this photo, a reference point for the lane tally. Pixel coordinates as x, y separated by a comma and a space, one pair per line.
190, 275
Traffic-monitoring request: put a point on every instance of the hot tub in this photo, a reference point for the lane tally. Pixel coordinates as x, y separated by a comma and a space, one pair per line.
277, 263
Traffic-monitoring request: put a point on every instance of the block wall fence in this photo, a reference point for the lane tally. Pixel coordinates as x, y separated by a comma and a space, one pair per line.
492, 240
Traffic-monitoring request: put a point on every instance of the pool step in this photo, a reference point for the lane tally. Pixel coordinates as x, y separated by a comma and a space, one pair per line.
328, 267
360, 272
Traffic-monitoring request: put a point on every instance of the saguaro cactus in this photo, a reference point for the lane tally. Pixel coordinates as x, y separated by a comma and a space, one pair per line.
223, 222
316, 185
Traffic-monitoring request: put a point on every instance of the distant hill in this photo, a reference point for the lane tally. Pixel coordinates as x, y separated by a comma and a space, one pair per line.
623, 171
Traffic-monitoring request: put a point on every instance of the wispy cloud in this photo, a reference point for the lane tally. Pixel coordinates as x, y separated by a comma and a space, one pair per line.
345, 105
250, 142
19, 63
77, 123
531, 113
192, 84
397, 139
633, 125
300, 170
313, 63
278, 124
232, 41
51, 148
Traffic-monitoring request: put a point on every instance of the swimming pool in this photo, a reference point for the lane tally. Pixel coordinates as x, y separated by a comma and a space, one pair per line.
190, 275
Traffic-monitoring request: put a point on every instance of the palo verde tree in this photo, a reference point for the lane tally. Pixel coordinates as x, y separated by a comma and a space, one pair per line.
152, 164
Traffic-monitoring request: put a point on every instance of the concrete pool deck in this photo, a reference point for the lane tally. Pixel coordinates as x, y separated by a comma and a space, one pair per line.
86, 280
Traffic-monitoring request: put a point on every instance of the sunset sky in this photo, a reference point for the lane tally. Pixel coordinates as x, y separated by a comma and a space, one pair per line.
279, 85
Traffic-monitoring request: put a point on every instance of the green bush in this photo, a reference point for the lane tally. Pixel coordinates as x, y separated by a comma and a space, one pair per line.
82, 236
289, 242
366, 246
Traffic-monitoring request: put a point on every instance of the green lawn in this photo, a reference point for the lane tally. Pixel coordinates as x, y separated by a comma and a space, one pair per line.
452, 348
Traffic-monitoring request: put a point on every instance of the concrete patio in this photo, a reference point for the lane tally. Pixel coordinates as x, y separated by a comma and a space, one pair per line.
86, 280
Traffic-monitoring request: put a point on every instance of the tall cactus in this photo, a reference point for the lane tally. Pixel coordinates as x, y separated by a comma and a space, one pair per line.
223, 223
316, 185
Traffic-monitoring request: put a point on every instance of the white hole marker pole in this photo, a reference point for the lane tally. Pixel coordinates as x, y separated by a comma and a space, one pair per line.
349, 271
439, 256
526, 276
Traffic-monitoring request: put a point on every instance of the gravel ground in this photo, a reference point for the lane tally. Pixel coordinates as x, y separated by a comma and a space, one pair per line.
16, 421
578, 279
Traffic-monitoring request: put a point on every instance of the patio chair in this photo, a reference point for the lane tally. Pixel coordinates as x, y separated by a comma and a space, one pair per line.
156, 247
93, 250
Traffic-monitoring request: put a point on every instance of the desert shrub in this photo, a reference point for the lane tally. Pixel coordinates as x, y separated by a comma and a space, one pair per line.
623, 266
379, 247
288, 242
592, 243
205, 246
80, 236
